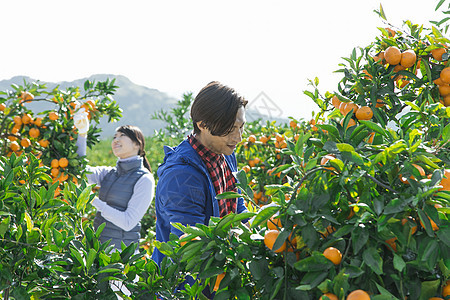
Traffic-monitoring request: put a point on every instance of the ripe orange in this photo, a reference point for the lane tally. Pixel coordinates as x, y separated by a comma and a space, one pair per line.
53, 116
26, 96
350, 123
251, 138
392, 55
38, 121
54, 172
446, 181
414, 228
63, 162
391, 33
444, 90
433, 224
438, 81
269, 239
408, 58
54, 163
391, 242
218, 280
264, 139
26, 119
371, 137
348, 108
333, 254
34, 132
246, 169
446, 101
335, 102
421, 171
17, 120
435, 298
293, 124
44, 143
14, 146
437, 53
446, 290
379, 57
364, 113
273, 222
279, 137
358, 295
445, 75
2, 106
327, 158
25, 142
330, 296
399, 68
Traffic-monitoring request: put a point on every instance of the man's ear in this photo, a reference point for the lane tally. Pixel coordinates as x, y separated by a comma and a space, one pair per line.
201, 125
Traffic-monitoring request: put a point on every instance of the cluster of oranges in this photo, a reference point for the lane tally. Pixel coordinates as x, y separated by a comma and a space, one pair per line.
359, 112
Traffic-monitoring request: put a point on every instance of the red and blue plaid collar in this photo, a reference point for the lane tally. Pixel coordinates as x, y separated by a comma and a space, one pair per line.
203, 151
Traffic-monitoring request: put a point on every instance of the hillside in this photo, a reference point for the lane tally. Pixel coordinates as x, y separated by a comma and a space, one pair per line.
137, 102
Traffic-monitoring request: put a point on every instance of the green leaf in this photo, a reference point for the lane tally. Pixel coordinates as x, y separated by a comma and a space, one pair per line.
228, 195
264, 214
316, 262
374, 127
360, 236
446, 133
373, 260
4, 225
76, 254
90, 258
30, 223
83, 199
399, 263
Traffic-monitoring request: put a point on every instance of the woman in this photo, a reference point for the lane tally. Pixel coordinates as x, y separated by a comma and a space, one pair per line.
126, 190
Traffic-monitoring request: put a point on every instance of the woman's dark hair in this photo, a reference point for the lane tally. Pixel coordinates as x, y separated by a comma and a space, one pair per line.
136, 135
216, 106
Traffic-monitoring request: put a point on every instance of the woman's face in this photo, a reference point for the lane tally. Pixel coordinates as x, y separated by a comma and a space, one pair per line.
123, 147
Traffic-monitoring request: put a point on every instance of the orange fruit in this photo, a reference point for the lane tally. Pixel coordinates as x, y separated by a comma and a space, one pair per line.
54, 172
408, 58
446, 181
273, 222
44, 143
327, 158
258, 195
15, 129
333, 254
348, 108
437, 53
263, 139
246, 169
26, 96
367, 76
421, 171
391, 33
63, 162
379, 57
438, 81
391, 242
364, 113
251, 139
350, 123
218, 280
269, 239
293, 124
25, 142
399, 68
14, 146
371, 137
26, 119
446, 290
433, 224
446, 101
2, 106
358, 295
53, 116
38, 121
17, 120
392, 55
12, 138
335, 102
444, 90
413, 229
435, 298
330, 296
34, 132
279, 137
445, 75
54, 163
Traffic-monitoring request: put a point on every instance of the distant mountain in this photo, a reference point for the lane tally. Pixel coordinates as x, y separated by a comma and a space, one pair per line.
139, 103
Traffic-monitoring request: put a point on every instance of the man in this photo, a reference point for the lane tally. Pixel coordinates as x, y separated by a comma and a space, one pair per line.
201, 166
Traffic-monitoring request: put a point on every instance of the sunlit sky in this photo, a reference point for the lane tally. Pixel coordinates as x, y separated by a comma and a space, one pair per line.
270, 47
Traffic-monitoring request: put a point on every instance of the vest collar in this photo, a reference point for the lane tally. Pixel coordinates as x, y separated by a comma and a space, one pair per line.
128, 164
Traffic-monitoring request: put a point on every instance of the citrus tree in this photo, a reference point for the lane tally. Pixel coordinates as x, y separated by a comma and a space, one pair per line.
360, 207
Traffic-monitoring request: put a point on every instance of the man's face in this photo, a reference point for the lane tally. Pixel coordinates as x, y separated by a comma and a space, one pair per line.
224, 144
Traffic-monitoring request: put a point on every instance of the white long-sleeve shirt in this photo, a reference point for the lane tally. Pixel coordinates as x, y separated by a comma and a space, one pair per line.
140, 201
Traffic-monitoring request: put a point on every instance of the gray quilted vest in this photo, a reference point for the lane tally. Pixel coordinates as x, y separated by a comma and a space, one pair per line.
116, 190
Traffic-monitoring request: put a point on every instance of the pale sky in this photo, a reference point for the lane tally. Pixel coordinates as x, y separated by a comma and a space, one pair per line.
178, 46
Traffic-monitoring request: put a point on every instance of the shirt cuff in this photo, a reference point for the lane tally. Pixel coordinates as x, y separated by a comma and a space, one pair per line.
98, 204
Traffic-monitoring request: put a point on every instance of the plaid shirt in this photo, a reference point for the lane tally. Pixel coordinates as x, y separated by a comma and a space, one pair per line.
221, 176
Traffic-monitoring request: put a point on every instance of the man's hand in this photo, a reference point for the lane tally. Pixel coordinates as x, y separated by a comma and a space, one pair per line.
81, 121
